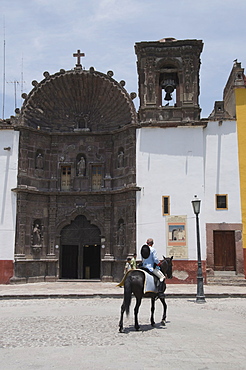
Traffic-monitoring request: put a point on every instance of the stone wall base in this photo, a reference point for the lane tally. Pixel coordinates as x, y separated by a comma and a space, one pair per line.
6, 271
107, 279
185, 272
244, 259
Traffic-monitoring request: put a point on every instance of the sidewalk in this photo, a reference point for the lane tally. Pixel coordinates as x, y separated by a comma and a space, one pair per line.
79, 289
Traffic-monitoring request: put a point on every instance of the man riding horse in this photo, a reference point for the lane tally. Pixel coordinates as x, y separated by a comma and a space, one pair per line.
150, 261
135, 282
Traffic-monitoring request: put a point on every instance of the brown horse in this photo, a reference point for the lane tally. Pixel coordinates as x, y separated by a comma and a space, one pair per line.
134, 283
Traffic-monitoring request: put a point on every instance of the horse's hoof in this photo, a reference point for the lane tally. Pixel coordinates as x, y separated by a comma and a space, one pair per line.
121, 330
163, 322
137, 328
153, 324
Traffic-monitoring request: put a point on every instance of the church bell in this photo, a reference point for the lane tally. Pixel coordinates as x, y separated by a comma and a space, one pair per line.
168, 86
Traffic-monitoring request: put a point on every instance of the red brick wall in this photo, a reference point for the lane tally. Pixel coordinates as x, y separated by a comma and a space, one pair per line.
244, 258
6, 271
185, 272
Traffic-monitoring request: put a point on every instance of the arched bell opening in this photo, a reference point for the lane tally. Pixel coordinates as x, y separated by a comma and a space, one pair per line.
80, 255
169, 91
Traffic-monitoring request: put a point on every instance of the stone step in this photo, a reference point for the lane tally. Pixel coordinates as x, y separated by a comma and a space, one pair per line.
222, 279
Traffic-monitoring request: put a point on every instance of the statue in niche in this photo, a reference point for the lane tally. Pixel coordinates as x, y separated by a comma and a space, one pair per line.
121, 235
39, 162
81, 166
121, 159
122, 248
36, 234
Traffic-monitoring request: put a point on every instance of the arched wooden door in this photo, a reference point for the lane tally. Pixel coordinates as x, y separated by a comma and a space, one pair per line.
80, 255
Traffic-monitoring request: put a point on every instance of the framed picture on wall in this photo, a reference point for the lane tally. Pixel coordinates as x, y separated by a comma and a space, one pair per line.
177, 237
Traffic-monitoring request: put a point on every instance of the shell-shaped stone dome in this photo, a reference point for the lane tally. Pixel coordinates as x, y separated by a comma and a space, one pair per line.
78, 100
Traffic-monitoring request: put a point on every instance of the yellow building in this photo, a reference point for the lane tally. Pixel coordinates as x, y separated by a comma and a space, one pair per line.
235, 104
240, 104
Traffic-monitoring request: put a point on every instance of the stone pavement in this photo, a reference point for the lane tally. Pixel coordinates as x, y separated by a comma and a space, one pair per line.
82, 334
64, 331
89, 288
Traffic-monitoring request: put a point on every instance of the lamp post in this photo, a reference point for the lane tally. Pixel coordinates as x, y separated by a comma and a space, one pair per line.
200, 297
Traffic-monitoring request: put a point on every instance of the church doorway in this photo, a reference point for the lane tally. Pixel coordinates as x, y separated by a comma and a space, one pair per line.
80, 255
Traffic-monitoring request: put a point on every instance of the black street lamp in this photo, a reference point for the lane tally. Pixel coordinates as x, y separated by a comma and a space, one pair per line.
200, 297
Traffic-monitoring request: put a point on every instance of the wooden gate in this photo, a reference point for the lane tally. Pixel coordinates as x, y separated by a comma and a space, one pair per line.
69, 255
224, 251
80, 256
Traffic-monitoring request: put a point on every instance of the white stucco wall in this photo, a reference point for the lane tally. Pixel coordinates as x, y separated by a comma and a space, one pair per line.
169, 162
8, 180
222, 171
179, 163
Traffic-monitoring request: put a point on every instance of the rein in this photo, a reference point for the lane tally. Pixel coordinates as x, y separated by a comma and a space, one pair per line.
164, 267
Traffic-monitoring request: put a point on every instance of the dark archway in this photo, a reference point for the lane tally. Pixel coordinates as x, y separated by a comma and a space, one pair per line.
80, 256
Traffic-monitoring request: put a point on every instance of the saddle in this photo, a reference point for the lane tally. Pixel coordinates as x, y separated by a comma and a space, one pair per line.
151, 281
156, 280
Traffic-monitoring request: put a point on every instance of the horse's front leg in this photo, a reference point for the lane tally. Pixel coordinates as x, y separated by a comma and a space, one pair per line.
163, 301
121, 317
152, 320
136, 309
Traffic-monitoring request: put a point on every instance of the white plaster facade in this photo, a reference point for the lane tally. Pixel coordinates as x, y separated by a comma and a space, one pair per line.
8, 180
182, 162
169, 163
222, 171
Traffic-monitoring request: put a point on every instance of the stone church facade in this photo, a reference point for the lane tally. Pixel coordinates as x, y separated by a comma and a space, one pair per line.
76, 192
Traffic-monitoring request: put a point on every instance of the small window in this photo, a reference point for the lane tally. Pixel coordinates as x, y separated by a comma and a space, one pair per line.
96, 177
221, 201
65, 177
165, 205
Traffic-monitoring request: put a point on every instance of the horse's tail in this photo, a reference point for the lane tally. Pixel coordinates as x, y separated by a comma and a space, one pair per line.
127, 294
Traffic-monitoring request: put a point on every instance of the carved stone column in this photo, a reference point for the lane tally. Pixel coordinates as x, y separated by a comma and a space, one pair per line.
52, 225
150, 81
20, 250
107, 256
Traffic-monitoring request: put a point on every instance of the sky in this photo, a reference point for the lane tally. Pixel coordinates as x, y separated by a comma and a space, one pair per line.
42, 35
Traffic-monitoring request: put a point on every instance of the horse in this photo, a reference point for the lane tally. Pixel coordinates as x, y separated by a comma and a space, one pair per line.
134, 283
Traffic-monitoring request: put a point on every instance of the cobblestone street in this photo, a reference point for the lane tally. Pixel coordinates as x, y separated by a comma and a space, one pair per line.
83, 334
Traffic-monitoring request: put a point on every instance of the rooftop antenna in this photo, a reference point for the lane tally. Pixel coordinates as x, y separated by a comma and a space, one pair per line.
4, 44
22, 76
15, 82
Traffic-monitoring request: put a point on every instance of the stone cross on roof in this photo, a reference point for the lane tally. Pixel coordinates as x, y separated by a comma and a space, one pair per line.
78, 55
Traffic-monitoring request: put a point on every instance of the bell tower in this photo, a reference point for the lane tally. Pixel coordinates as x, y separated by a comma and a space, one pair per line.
168, 73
